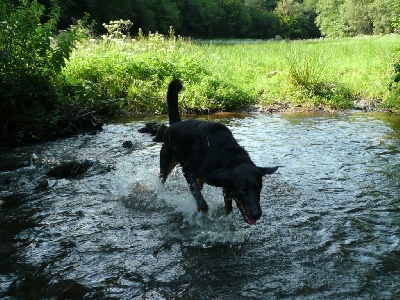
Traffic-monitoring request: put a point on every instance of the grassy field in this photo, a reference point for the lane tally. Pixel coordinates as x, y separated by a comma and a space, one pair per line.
332, 72
133, 74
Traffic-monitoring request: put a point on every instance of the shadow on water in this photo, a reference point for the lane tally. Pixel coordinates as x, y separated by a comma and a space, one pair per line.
330, 226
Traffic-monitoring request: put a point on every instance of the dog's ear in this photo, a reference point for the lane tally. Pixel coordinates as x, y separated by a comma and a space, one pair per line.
218, 177
267, 170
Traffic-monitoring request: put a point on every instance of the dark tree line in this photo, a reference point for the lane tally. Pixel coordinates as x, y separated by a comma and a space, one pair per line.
293, 19
195, 18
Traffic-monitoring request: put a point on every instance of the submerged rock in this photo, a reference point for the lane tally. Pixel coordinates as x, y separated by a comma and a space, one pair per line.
34, 286
155, 129
11, 162
67, 289
42, 185
127, 144
150, 127
160, 133
70, 170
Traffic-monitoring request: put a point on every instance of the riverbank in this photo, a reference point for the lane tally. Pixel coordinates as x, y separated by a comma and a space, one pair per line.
279, 107
21, 131
130, 76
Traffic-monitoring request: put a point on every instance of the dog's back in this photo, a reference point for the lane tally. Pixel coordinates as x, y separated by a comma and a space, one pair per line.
203, 146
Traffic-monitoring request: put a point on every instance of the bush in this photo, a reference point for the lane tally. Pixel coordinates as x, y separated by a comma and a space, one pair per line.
394, 85
31, 58
305, 72
117, 72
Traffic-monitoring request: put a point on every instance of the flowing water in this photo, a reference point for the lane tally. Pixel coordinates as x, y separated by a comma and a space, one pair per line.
330, 226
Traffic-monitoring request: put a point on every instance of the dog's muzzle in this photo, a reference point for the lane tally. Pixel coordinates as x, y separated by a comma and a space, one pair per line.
245, 211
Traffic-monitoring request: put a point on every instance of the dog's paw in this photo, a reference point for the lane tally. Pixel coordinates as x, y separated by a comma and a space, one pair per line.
203, 207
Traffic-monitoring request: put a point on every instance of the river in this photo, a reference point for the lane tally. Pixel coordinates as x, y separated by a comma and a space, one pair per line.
330, 226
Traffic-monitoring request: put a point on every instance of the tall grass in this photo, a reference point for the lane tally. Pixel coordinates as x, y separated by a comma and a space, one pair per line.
310, 73
133, 74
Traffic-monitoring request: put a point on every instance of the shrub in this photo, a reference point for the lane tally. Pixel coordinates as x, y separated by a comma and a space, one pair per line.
305, 72
133, 75
31, 57
394, 87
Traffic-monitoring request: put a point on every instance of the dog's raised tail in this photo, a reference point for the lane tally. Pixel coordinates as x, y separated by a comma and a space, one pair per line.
174, 88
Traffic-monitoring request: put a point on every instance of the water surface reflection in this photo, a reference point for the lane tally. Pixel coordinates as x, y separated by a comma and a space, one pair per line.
330, 225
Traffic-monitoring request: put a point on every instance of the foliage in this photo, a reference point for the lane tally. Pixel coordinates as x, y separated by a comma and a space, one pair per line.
338, 18
133, 75
236, 18
356, 17
293, 19
121, 73
201, 18
265, 24
382, 13
394, 85
41, 74
194, 18
297, 19
31, 57
396, 17
329, 16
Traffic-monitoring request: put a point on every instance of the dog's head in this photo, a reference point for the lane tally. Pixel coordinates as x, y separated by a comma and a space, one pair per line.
243, 184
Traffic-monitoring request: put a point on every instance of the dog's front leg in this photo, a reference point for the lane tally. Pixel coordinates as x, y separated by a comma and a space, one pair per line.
228, 203
194, 188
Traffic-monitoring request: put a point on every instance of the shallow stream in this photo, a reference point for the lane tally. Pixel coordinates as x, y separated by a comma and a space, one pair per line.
330, 226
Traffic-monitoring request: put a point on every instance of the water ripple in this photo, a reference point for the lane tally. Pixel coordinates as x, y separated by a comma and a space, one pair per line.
330, 226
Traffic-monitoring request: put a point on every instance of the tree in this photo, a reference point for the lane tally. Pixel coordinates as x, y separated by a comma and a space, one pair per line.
309, 8
236, 18
382, 13
396, 18
201, 18
166, 14
356, 17
264, 23
329, 17
102, 11
268, 5
297, 19
288, 17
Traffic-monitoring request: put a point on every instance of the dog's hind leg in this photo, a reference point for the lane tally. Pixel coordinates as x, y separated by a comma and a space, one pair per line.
195, 189
167, 161
200, 183
228, 203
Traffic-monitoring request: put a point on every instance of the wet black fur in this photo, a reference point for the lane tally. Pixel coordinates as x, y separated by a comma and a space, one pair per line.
208, 153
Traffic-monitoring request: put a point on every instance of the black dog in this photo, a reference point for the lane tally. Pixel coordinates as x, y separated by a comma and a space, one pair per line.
208, 153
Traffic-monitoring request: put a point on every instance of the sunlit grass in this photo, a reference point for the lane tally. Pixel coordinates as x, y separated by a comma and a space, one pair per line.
134, 75
355, 67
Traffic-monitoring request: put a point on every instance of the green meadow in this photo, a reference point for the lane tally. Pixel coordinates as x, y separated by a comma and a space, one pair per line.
132, 75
